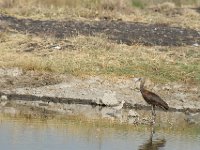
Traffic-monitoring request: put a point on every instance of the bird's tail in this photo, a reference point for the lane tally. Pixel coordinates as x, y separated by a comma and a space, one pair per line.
165, 105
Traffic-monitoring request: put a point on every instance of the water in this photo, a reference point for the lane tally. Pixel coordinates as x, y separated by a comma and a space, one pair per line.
22, 134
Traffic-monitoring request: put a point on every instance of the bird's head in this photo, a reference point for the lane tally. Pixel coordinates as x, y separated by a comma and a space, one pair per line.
139, 80
142, 81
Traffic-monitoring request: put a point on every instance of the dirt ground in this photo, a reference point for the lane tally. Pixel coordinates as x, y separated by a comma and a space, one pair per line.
118, 31
32, 93
93, 90
18, 78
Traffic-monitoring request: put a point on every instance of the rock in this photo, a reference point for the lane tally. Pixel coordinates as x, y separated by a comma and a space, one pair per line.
195, 44
4, 97
57, 47
119, 106
133, 113
109, 99
193, 118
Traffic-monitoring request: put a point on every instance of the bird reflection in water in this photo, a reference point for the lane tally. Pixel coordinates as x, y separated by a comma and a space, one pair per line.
153, 144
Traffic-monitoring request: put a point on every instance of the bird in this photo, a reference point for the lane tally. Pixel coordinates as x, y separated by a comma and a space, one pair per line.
152, 99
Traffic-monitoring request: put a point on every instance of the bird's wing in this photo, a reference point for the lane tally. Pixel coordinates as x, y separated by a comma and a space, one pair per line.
156, 100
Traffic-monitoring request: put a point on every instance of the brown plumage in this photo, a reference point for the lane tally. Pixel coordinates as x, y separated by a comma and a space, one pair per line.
151, 98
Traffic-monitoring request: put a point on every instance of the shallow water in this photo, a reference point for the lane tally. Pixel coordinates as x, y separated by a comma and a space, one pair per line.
23, 134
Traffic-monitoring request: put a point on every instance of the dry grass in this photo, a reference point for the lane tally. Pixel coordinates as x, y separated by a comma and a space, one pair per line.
97, 56
127, 10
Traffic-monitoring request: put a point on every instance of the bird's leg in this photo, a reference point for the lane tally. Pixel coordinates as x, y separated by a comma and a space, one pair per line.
154, 110
153, 114
152, 130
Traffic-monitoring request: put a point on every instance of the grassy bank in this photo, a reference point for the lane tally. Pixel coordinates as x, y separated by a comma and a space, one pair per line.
97, 56
82, 56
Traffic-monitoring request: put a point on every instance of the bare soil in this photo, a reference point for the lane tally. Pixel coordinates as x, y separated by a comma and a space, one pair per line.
118, 31
93, 97
31, 85
14, 78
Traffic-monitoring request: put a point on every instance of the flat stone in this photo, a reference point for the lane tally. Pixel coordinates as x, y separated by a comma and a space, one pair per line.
133, 113
4, 97
109, 98
193, 118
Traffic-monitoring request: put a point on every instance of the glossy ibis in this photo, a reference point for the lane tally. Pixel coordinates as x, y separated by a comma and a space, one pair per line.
152, 99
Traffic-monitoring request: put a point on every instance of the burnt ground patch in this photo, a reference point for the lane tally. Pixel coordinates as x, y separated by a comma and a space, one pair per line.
119, 31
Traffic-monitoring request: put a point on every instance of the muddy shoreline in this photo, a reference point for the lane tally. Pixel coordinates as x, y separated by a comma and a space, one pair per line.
79, 101
44, 110
95, 97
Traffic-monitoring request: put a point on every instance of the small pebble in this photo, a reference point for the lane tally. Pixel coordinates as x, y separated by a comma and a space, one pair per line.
4, 97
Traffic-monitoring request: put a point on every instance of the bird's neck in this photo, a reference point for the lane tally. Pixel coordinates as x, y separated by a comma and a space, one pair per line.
142, 86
